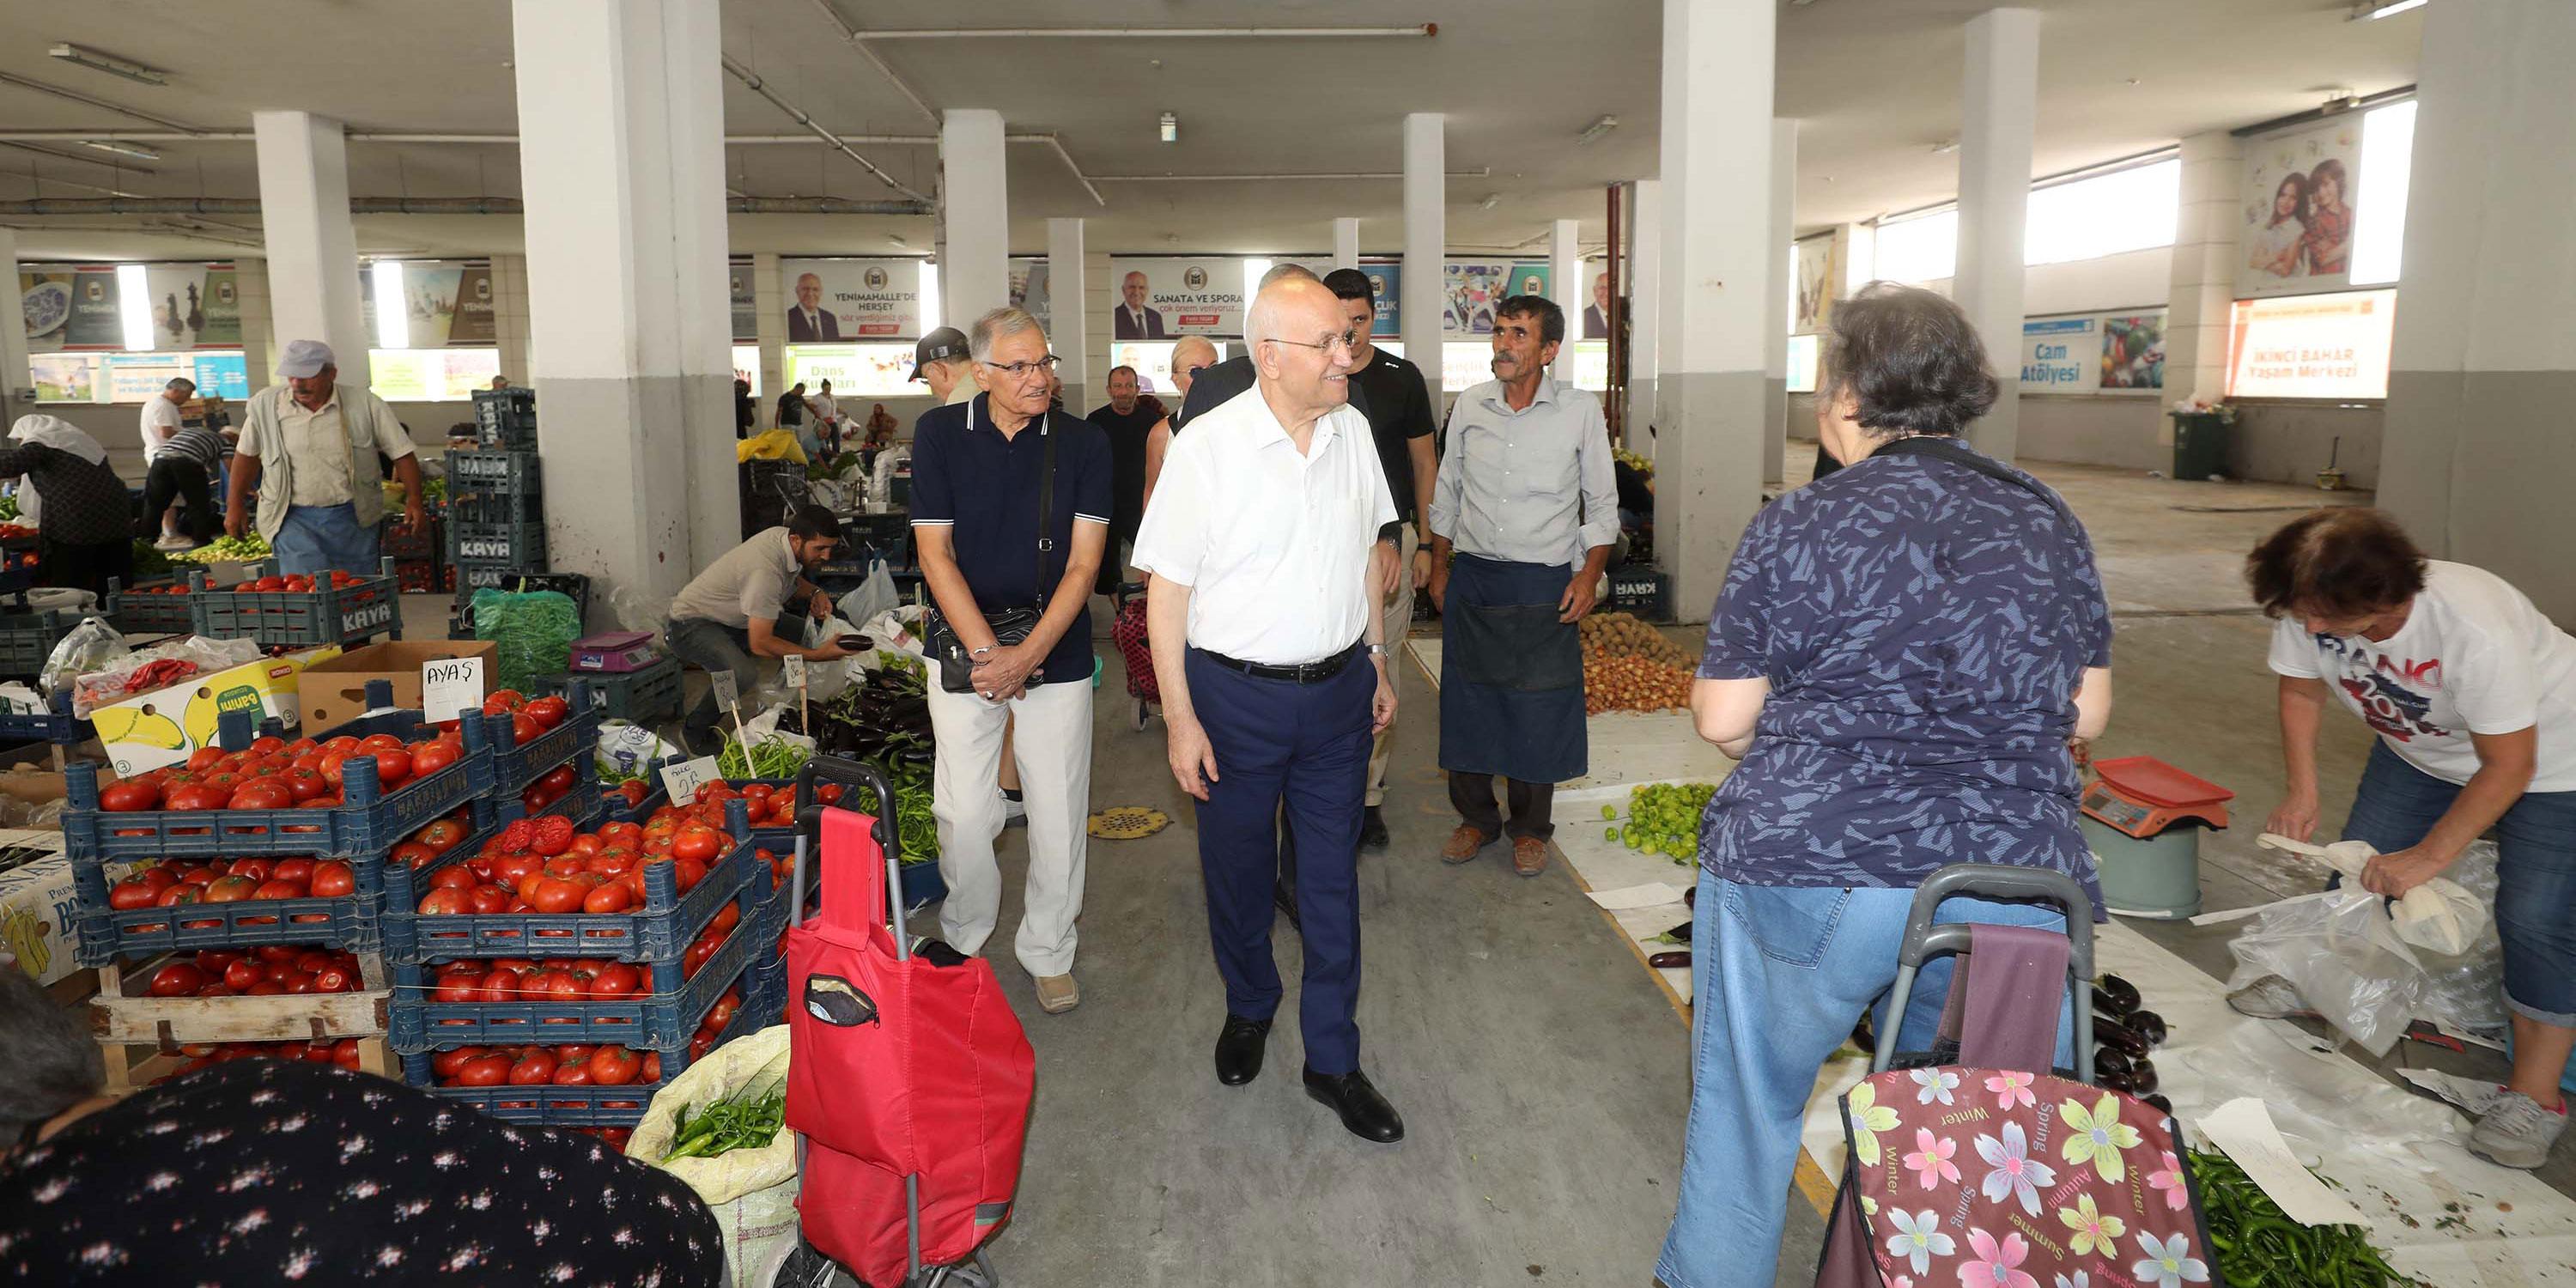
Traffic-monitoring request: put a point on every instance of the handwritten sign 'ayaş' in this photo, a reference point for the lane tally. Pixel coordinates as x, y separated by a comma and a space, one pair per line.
683, 780
450, 687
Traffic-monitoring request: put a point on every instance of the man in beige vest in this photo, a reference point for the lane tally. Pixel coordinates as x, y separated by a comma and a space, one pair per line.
309, 447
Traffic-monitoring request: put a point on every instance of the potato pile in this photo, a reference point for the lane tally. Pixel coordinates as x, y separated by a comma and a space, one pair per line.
1630, 666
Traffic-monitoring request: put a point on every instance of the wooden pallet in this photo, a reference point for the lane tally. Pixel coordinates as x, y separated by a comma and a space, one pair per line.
132, 1068
167, 1021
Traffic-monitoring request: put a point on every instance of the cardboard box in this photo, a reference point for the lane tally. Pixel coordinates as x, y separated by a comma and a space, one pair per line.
335, 692
163, 726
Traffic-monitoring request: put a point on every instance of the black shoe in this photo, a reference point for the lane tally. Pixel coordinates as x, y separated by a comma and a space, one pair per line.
1286, 899
1365, 1112
1239, 1048
1372, 829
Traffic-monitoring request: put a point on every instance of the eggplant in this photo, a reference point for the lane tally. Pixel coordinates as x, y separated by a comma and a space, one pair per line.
2143, 1073
2110, 1060
1690, 897
1670, 961
2105, 1004
2115, 1081
2113, 1034
1680, 932
2163, 1106
2124, 995
2149, 1026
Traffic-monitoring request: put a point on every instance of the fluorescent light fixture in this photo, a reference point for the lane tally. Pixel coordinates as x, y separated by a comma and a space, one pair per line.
393, 310
930, 297
134, 307
1598, 128
134, 150
1491, 200
1171, 128
115, 66
2371, 10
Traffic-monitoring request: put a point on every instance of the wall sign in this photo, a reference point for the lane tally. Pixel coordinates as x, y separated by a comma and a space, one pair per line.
837, 300
1163, 299
2298, 209
2312, 346
2088, 353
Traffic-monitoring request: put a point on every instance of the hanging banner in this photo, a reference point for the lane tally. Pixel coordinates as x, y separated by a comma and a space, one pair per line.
2311, 346
746, 301
444, 302
1596, 308
72, 308
1029, 291
194, 306
1162, 299
2113, 353
1387, 280
831, 300
1813, 303
2299, 190
1473, 287
2133, 352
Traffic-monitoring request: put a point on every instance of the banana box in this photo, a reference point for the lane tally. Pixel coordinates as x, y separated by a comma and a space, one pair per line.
162, 727
39, 912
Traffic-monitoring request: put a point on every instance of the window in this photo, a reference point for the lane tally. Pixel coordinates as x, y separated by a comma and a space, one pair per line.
2387, 165
855, 370
1920, 249
1152, 360
2126, 210
2312, 346
135, 378
431, 375
746, 365
1805, 351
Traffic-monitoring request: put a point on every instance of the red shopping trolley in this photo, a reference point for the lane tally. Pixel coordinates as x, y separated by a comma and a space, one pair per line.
909, 1078
1128, 633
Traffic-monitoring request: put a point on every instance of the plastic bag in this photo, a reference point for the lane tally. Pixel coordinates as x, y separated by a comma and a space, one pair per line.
751, 1191
88, 647
2342, 953
535, 630
2439, 915
158, 667
875, 595
2466, 989
898, 630
628, 750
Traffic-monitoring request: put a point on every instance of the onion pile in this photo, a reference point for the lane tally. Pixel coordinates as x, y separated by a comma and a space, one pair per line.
1630, 666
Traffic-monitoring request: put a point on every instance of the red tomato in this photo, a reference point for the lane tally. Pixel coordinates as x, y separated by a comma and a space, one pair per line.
554, 894
303, 784
382, 742
490, 899
195, 796
443, 835
291, 870
634, 790
299, 746
500, 700
570, 1072
255, 869
615, 980
614, 1066
332, 762
696, 843
335, 979
561, 985
445, 901
430, 757
393, 767
700, 1045
726, 918
125, 896
231, 890
413, 854
523, 728
446, 1063
178, 979
333, 879
129, 795
204, 758
686, 874
549, 711
456, 875
484, 1071
559, 778
274, 889
502, 985
262, 793
299, 982
241, 975
535, 1068
828, 793
606, 899
456, 990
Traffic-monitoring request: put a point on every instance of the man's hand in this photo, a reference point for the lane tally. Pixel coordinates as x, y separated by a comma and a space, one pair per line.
2295, 818
827, 651
1439, 586
1382, 707
1191, 755
415, 517
2392, 875
1000, 674
235, 519
1580, 595
820, 605
1421, 566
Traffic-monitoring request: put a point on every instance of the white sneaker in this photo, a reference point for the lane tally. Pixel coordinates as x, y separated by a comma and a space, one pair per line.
174, 541
2517, 1132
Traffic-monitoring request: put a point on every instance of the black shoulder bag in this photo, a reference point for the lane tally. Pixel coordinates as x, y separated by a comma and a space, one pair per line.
1011, 625
1951, 450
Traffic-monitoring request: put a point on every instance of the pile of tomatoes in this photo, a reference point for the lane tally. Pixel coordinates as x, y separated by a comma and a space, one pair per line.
266, 971
767, 805
175, 588
296, 584
543, 865
272, 773
576, 1064
173, 882
550, 787
343, 1053
528, 716
569, 979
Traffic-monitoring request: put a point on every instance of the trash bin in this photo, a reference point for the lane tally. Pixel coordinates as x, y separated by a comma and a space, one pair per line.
2200, 445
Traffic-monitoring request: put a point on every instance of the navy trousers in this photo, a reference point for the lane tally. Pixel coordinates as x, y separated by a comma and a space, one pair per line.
1305, 746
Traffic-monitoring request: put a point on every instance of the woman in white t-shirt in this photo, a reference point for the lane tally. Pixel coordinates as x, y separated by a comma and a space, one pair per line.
2473, 694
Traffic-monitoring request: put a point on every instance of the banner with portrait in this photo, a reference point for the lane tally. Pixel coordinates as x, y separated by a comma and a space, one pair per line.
1161, 299
836, 300
2299, 209
73, 307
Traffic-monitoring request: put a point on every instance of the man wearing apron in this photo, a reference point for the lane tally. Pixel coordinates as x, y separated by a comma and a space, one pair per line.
1528, 501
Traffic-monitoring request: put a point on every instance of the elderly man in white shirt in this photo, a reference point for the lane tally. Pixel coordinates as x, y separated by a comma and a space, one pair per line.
1262, 545
161, 423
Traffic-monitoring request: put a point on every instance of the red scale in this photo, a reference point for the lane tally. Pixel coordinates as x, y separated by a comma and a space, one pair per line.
2149, 866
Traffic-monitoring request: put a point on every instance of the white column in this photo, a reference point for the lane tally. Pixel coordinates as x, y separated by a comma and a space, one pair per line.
1426, 231
1645, 312
1346, 243
1573, 289
312, 250
510, 318
1775, 342
621, 145
1718, 263
1999, 101
2203, 289
1071, 326
14, 358
974, 217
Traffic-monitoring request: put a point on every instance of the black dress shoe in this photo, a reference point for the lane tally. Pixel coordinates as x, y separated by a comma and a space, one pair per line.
1366, 1113
1372, 828
1286, 901
1239, 1048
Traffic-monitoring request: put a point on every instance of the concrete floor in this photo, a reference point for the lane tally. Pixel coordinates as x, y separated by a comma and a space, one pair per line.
1543, 1078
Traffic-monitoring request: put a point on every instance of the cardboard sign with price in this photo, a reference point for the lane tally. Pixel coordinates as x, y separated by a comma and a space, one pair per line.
683, 780
450, 688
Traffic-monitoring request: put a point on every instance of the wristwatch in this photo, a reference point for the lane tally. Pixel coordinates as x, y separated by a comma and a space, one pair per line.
1377, 650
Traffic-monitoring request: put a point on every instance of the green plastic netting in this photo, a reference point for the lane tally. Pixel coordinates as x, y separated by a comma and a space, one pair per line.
535, 630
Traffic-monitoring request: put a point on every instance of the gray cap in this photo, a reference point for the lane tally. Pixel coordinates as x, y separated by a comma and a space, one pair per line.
304, 358
946, 342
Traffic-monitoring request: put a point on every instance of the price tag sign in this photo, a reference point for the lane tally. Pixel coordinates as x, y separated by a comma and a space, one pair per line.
727, 692
450, 687
683, 780
791, 669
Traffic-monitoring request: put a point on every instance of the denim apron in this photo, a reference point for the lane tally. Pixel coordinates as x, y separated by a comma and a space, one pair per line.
1511, 675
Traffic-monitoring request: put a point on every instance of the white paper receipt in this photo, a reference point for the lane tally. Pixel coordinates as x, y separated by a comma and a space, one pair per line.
450, 687
683, 780
2243, 1128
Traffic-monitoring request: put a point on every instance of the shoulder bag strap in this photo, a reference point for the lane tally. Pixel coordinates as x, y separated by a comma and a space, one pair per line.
1046, 503
1948, 449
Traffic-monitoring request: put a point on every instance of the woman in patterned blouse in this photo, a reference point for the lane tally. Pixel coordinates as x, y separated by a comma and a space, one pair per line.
1900, 657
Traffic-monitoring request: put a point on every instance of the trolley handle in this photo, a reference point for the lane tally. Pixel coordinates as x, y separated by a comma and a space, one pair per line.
809, 832
1997, 881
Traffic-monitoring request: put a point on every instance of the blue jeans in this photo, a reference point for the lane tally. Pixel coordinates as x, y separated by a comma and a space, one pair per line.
319, 538
2535, 874
1782, 975
711, 647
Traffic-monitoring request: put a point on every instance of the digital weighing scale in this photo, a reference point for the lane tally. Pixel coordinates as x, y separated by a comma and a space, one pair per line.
2136, 816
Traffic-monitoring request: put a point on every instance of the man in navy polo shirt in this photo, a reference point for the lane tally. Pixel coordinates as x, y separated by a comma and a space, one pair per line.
979, 470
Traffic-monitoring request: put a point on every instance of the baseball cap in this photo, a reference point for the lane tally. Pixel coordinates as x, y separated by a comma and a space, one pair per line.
304, 358
946, 342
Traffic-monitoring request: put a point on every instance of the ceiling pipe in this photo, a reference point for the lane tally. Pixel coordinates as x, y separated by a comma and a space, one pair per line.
9, 78
1416, 30
426, 206
751, 80
1477, 173
859, 40
97, 159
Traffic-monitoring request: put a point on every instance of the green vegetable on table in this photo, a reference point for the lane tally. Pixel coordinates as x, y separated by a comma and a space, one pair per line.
1663, 818
247, 548
916, 829
768, 758
2258, 1246
727, 1125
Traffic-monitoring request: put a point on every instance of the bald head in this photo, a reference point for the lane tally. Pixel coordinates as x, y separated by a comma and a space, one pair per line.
1300, 348
1290, 306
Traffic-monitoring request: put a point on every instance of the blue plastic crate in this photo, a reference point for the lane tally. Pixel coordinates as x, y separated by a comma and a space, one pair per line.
582, 804
665, 1016
371, 822
147, 608
519, 544
506, 417
585, 1106
299, 619
58, 726
648, 696
515, 765
659, 931
27, 638
491, 472
350, 921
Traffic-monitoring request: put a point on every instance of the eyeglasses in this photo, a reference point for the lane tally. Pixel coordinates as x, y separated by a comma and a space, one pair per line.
1346, 341
1023, 370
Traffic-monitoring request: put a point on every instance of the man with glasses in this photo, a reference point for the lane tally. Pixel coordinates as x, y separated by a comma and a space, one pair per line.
1527, 499
980, 479
1263, 551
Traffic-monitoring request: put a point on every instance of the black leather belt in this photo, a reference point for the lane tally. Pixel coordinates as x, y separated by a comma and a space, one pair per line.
1315, 672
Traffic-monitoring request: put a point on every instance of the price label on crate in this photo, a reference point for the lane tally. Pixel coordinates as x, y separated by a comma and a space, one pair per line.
683, 780
791, 671
728, 692
450, 687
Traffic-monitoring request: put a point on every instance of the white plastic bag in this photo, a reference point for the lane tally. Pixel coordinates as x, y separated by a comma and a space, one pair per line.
2340, 950
87, 647
2466, 989
873, 596
626, 750
2438, 915
751, 1191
